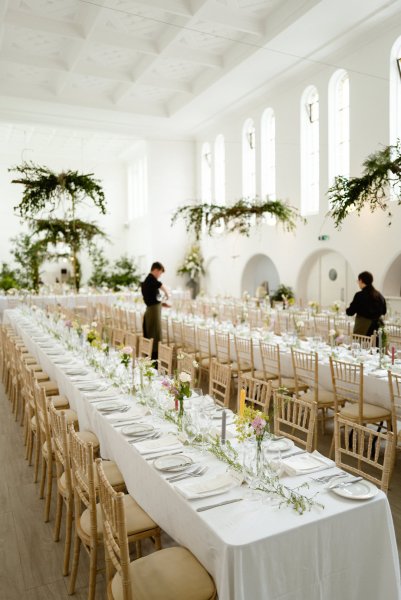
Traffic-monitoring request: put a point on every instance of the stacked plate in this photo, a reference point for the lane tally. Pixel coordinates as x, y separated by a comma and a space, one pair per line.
172, 463
109, 406
138, 430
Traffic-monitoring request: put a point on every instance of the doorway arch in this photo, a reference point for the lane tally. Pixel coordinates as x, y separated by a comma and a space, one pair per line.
392, 278
258, 269
326, 276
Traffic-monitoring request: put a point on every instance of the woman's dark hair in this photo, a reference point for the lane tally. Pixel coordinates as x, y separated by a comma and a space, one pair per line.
157, 265
366, 278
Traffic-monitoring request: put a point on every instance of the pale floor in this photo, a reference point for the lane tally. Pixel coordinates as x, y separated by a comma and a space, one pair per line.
30, 562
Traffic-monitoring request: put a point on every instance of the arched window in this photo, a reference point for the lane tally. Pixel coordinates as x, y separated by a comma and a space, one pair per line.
249, 160
137, 205
310, 151
206, 173
268, 144
339, 138
395, 92
219, 170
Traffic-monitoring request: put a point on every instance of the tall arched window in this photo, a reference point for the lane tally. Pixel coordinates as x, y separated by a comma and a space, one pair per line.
206, 173
395, 92
268, 144
219, 170
249, 159
339, 138
310, 151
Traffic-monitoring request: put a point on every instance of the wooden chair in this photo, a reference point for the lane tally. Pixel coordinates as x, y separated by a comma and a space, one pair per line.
131, 339
165, 332
270, 355
349, 401
306, 373
204, 349
257, 393
394, 335
364, 451
169, 573
189, 339
87, 531
117, 337
177, 334
220, 383
165, 359
145, 347
187, 363
365, 341
223, 350
394, 380
245, 360
322, 326
295, 419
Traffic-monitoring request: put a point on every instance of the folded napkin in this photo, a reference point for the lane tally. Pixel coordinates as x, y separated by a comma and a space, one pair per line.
168, 442
206, 487
301, 464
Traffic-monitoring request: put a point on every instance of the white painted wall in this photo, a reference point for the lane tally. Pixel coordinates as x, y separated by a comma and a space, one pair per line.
365, 242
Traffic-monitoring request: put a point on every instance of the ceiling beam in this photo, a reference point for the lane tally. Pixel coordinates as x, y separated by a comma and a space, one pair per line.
40, 23
230, 18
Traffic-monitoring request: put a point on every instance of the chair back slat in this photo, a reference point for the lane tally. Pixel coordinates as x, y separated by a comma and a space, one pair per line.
220, 383
295, 419
257, 393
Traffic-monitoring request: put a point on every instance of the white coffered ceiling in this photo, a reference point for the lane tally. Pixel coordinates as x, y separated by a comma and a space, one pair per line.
153, 67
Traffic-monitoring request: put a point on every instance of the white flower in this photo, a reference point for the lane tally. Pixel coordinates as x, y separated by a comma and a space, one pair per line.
332, 332
184, 377
300, 324
94, 324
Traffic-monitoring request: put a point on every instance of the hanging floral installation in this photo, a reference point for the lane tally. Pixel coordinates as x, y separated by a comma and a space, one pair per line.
381, 175
49, 206
238, 217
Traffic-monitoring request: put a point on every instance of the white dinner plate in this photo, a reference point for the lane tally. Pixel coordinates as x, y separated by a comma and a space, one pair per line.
137, 429
360, 490
279, 445
172, 463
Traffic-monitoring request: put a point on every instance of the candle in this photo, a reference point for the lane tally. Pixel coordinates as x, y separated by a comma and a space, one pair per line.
223, 427
242, 402
392, 355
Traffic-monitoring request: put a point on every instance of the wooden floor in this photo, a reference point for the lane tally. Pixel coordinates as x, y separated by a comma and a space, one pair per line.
30, 562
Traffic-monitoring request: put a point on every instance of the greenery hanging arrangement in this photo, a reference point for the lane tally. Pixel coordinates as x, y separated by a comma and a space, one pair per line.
381, 175
237, 217
49, 205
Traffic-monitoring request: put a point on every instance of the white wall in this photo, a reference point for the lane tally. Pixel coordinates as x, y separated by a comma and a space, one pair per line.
366, 242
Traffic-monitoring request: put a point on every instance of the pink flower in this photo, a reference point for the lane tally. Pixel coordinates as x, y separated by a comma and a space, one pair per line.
127, 350
258, 425
68, 323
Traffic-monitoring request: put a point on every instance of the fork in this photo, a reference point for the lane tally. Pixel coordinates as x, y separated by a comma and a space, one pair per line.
327, 478
197, 473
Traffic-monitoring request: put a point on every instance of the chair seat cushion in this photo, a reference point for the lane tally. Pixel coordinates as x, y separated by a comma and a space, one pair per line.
371, 412
40, 376
60, 402
50, 388
286, 382
171, 574
137, 519
113, 474
89, 438
71, 417
325, 397
244, 367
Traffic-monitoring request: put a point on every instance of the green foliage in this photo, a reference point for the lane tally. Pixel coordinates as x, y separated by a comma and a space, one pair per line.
29, 254
381, 171
193, 263
8, 278
282, 290
236, 218
44, 189
123, 273
75, 233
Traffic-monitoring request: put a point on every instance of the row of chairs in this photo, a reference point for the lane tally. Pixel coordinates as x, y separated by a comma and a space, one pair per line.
52, 428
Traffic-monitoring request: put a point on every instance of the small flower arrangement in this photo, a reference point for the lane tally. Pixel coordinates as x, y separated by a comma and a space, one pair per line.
146, 368
336, 307
126, 355
299, 327
253, 423
314, 305
92, 335
179, 388
193, 263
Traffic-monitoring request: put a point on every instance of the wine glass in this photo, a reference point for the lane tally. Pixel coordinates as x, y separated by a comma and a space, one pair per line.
189, 426
204, 422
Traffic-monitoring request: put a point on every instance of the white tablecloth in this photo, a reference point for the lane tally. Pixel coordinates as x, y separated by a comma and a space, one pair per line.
254, 551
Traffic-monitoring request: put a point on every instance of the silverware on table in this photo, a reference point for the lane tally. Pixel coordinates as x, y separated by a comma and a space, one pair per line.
198, 472
209, 506
343, 484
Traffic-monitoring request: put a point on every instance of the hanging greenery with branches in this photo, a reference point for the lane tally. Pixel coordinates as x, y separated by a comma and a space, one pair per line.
49, 205
381, 175
238, 217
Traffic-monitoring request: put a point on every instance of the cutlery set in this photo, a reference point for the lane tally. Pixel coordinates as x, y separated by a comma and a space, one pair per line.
196, 471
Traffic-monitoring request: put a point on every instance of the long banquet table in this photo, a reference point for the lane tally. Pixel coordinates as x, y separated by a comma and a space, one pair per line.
254, 551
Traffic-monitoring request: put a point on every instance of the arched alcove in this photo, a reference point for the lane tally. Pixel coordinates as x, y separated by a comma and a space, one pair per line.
392, 278
258, 269
326, 276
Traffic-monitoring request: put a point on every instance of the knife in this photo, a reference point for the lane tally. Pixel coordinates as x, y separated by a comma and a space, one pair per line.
345, 483
209, 506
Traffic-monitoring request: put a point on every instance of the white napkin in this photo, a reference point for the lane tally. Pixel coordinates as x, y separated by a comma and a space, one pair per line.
168, 442
200, 489
301, 464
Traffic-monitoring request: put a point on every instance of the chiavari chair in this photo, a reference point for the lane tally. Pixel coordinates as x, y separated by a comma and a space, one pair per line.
365, 341
295, 419
117, 337
189, 338
145, 347
170, 573
187, 363
257, 393
220, 383
165, 359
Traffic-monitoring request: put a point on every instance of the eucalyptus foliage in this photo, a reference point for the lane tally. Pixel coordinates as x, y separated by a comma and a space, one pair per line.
381, 173
45, 190
238, 217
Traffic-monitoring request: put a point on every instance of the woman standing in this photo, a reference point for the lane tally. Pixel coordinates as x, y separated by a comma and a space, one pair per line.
152, 323
368, 305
